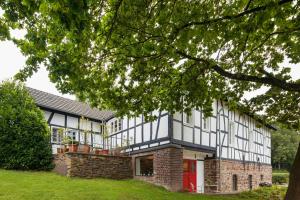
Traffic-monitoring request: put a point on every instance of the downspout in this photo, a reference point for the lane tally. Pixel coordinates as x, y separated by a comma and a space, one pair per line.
220, 147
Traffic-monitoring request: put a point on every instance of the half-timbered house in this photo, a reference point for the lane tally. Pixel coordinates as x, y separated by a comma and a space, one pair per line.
74, 119
227, 152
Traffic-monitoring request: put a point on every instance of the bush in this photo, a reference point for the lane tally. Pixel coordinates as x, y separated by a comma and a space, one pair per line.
24, 134
265, 193
280, 178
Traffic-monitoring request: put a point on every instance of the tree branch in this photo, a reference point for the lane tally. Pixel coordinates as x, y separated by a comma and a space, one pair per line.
248, 4
118, 5
268, 79
229, 17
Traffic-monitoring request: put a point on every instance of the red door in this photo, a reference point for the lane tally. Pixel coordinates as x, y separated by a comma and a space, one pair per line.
189, 175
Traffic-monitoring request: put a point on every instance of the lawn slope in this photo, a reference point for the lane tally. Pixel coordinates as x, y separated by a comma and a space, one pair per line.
17, 185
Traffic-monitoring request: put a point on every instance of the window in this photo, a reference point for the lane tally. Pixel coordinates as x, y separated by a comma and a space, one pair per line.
231, 133
188, 118
116, 125
261, 177
73, 135
144, 166
112, 127
205, 123
120, 124
57, 135
250, 182
234, 183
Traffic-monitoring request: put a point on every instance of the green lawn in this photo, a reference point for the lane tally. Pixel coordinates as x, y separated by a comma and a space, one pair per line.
17, 185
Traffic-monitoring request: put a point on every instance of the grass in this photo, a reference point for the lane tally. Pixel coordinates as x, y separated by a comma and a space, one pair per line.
18, 185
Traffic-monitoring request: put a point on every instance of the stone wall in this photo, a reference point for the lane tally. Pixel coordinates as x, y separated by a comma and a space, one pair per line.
260, 173
211, 176
167, 167
93, 166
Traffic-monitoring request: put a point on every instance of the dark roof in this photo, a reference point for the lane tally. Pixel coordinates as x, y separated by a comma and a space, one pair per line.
54, 102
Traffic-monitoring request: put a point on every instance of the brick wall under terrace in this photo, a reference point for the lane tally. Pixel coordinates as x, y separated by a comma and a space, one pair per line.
231, 167
167, 167
93, 166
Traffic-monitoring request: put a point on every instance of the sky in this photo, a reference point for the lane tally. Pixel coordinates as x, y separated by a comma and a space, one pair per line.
12, 60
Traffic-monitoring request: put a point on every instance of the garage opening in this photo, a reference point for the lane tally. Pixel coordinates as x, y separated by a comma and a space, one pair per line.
144, 166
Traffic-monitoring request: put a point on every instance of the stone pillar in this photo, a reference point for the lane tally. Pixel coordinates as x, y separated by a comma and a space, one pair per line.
211, 176
168, 168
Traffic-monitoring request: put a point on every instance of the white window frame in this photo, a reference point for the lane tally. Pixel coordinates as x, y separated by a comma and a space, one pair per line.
58, 137
191, 118
119, 124
116, 126
70, 133
112, 126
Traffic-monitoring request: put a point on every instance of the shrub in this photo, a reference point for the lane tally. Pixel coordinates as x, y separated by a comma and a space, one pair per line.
280, 178
265, 193
24, 134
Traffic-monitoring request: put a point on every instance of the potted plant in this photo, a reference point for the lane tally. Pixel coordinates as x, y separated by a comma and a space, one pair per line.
105, 151
71, 144
85, 148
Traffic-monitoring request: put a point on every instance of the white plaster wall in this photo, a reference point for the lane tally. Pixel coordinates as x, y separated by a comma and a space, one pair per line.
72, 122
58, 119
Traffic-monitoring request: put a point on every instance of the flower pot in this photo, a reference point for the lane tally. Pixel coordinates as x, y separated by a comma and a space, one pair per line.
60, 150
97, 151
101, 152
73, 147
86, 148
104, 151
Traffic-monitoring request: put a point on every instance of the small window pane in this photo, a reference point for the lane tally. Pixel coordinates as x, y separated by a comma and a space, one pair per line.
120, 124
112, 127
116, 125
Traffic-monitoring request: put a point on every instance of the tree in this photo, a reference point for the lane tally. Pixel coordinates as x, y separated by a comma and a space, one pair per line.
138, 56
284, 147
24, 135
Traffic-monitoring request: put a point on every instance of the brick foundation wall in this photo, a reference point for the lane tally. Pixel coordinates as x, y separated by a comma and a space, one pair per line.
228, 169
167, 167
211, 176
93, 166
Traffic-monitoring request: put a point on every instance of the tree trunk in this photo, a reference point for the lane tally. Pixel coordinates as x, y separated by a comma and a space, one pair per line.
293, 192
